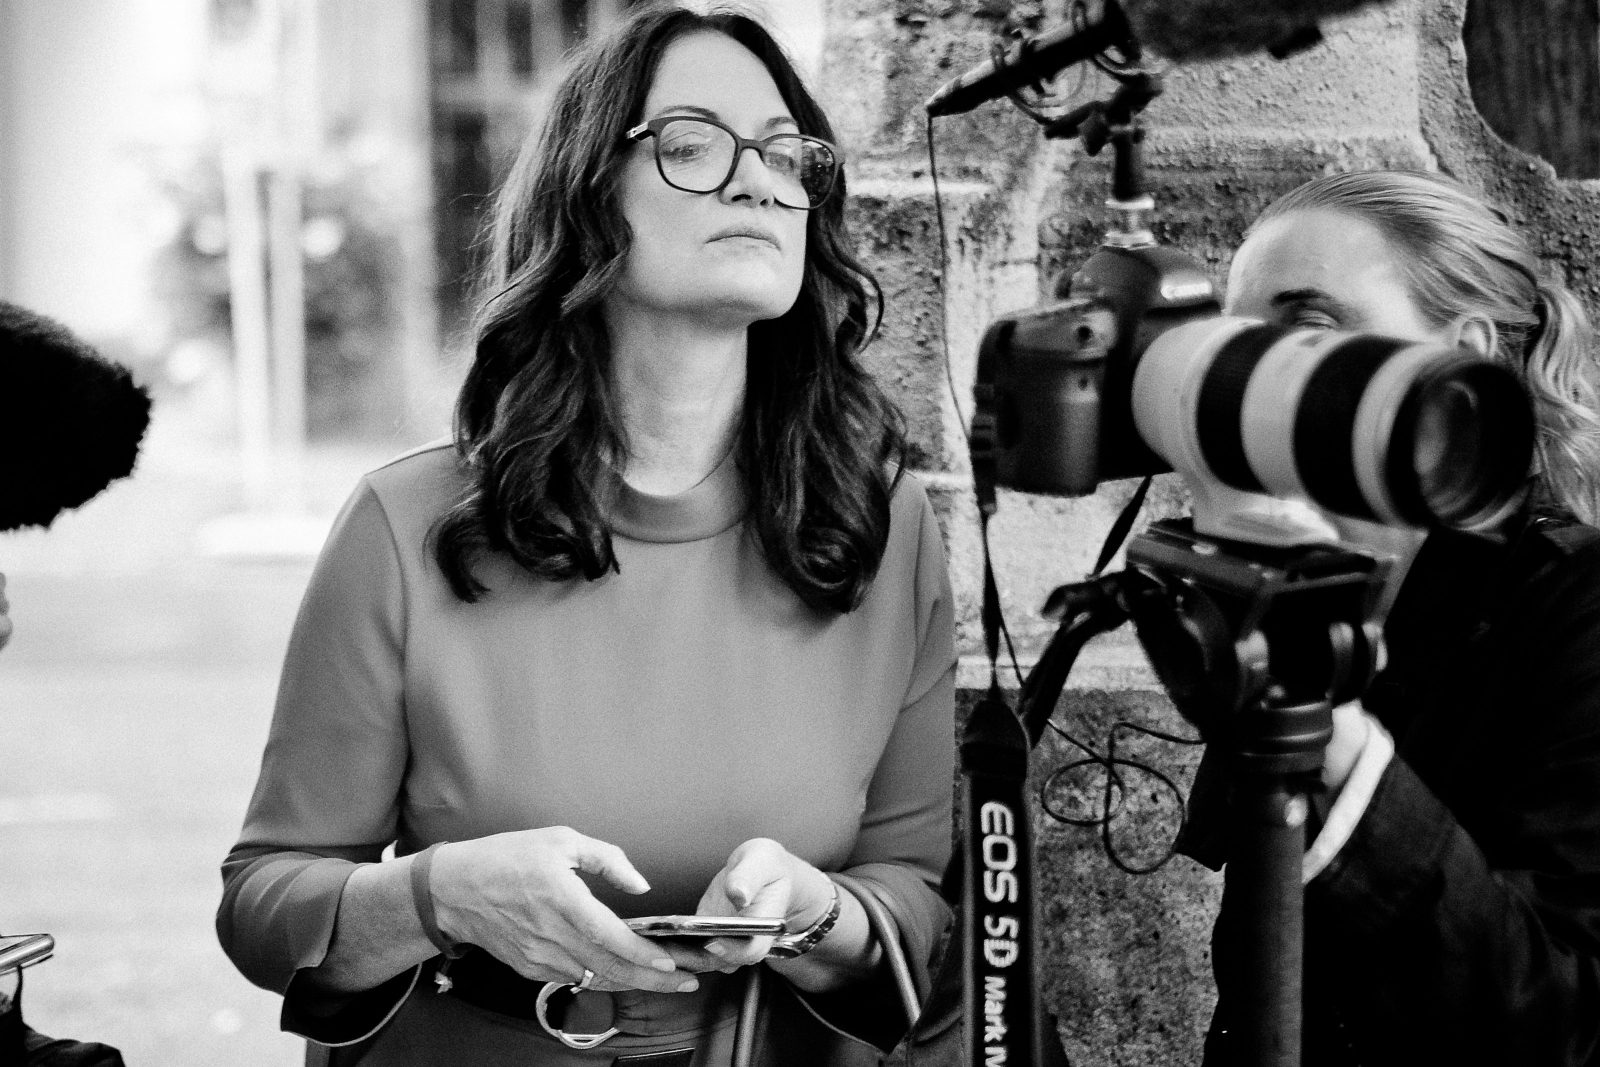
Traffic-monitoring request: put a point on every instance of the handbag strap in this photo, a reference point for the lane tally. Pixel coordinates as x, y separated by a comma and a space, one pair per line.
887, 931
884, 928
744, 1035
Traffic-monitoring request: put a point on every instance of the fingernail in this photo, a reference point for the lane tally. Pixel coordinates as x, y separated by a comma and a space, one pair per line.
689, 986
665, 965
715, 948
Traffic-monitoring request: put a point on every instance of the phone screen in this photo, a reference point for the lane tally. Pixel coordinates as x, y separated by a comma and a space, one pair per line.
21, 950
705, 926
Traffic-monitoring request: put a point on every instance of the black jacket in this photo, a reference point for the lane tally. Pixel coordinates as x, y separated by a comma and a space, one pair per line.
1461, 922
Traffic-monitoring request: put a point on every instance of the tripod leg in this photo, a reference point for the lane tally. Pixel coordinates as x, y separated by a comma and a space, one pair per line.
1266, 905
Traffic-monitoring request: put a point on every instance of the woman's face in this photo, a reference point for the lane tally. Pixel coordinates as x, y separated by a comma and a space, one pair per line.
732, 257
1328, 269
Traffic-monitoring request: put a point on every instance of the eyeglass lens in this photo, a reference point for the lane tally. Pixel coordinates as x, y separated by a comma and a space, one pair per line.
698, 157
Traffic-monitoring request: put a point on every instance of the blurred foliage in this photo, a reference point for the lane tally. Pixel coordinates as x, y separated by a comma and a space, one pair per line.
349, 253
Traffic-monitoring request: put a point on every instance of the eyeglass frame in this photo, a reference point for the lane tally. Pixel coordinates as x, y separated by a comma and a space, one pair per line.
654, 127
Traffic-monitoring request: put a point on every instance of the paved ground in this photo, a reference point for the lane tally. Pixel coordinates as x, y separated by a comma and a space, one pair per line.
134, 700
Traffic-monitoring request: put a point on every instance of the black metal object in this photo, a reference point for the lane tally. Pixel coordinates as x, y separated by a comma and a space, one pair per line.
1255, 645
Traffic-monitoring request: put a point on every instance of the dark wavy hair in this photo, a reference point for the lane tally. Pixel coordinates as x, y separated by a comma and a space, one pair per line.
820, 446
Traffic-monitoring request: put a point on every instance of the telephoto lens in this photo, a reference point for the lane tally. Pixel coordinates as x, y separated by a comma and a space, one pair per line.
1372, 427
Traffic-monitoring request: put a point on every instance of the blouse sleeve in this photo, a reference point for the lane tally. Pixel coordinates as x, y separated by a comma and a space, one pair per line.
1489, 949
326, 798
905, 839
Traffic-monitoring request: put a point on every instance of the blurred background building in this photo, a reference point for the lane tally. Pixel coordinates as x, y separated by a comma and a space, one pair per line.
271, 208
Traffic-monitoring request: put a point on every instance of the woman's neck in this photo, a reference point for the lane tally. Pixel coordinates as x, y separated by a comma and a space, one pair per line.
680, 391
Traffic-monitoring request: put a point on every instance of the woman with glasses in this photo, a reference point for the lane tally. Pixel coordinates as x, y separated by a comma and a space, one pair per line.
664, 630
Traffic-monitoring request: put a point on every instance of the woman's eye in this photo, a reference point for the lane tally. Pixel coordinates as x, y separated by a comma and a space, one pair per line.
684, 149
782, 157
1312, 320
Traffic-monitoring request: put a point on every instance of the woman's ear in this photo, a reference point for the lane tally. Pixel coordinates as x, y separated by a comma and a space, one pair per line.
1477, 333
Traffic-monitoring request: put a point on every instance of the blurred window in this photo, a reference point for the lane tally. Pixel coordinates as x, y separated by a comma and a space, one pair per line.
493, 62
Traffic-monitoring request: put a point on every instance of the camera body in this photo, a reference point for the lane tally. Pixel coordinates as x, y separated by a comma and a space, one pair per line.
1055, 383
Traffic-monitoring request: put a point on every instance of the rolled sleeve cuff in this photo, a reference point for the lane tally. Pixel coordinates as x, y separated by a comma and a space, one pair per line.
278, 913
1351, 803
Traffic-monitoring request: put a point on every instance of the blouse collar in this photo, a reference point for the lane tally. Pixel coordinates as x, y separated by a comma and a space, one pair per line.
710, 506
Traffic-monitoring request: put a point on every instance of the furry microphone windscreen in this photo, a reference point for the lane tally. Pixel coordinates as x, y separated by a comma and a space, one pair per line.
1211, 29
70, 420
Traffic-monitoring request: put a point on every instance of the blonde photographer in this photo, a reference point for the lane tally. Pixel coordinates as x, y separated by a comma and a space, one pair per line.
1453, 889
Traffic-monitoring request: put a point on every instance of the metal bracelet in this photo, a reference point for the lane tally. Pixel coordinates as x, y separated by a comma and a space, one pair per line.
788, 946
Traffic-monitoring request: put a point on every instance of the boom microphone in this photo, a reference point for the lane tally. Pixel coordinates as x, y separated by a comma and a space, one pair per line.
72, 420
1181, 30
1034, 59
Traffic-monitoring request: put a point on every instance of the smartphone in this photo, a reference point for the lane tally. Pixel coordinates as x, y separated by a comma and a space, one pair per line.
22, 950
705, 926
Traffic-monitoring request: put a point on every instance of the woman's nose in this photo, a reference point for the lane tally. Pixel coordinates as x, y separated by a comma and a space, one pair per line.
751, 179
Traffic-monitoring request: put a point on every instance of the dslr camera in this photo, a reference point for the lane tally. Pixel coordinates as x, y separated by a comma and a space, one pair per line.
1133, 370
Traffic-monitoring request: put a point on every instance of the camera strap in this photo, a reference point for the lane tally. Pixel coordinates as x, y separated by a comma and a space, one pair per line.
993, 869
1005, 1021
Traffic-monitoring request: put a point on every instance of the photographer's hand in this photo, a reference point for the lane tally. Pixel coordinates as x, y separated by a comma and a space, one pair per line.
1351, 729
1352, 766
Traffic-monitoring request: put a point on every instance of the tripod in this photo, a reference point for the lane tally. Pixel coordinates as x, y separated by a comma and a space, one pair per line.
1255, 646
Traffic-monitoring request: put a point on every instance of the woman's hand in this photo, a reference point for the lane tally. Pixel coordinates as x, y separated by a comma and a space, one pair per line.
760, 878
519, 896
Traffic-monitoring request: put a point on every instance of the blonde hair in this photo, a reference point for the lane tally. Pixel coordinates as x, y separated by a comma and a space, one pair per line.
1461, 258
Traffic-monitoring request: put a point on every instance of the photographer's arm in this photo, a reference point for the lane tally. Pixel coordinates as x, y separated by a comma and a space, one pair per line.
1478, 955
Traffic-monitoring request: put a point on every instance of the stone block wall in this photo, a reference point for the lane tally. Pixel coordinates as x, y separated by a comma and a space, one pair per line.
1126, 955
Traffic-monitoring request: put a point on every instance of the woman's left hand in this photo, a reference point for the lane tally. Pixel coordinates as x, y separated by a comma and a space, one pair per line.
760, 878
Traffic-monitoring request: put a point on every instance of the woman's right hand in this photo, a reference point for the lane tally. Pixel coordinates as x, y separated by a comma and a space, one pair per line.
519, 896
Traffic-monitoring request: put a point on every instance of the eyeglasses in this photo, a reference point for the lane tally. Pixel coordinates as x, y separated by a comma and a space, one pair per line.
700, 156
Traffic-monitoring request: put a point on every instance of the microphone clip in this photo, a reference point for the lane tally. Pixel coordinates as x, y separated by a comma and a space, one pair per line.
1116, 122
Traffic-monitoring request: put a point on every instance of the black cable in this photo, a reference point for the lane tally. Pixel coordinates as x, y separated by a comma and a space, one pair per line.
1116, 790
949, 369
944, 306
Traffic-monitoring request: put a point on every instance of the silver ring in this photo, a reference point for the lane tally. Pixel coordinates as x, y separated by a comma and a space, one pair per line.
583, 983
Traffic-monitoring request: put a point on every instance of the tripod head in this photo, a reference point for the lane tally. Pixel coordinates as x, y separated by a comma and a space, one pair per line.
1228, 624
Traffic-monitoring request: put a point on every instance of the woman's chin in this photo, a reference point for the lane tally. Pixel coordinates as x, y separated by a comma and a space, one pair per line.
744, 306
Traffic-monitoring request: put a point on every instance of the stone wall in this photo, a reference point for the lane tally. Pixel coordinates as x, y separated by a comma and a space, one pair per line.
1127, 956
